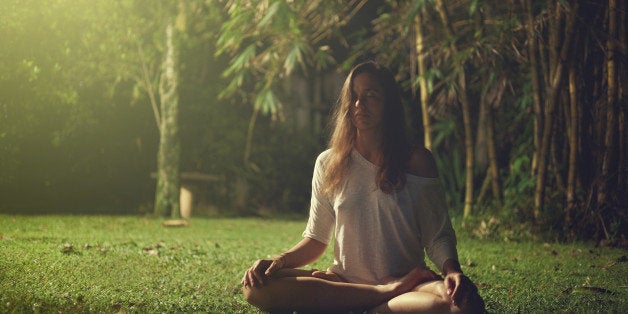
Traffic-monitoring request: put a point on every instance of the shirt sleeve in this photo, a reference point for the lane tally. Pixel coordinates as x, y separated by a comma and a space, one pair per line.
321, 221
437, 234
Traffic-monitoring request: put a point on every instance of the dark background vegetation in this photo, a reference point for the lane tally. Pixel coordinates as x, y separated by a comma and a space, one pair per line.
78, 135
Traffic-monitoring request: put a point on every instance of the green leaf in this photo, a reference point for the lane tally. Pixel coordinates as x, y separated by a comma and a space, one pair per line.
473, 7
293, 57
234, 85
272, 10
240, 61
266, 101
322, 58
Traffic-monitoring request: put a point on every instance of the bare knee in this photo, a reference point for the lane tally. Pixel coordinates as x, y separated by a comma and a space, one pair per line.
472, 304
257, 297
266, 298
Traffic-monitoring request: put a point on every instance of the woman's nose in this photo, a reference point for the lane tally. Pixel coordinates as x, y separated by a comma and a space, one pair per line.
358, 102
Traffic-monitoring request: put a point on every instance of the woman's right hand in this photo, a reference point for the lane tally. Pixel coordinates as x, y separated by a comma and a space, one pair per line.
261, 270
305, 252
427, 274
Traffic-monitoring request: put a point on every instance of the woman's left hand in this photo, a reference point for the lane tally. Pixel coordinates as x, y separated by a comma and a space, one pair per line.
459, 287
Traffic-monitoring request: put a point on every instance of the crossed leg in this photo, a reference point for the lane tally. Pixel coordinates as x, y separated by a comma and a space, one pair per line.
429, 297
299, 290
432, 297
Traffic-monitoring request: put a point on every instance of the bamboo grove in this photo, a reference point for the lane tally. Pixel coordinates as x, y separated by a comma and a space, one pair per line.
522, 102
553, 72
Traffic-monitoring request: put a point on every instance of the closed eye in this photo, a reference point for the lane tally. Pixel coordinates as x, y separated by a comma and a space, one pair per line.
372, 94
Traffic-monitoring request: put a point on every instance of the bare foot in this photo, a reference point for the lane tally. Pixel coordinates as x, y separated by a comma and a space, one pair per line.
393, 287
328, 275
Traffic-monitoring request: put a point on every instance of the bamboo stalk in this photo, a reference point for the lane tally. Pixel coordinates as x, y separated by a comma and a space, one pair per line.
492, 155
550, 106
573, 135
466, 114
420, 50
536, 86
611, 98
621, 93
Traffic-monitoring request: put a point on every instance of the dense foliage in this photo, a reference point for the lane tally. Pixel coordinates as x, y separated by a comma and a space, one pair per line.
522, 102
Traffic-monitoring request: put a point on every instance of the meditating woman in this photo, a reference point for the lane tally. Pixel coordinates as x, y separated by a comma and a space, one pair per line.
380, 201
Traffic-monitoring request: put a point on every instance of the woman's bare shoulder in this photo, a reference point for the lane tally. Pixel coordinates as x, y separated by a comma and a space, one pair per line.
422, 163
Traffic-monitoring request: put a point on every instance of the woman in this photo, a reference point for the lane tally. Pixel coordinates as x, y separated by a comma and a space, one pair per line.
380, 199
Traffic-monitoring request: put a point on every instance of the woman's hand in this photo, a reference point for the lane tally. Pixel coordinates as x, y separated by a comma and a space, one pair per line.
262, 270
305, 252
327, 275
459, 287
427, 274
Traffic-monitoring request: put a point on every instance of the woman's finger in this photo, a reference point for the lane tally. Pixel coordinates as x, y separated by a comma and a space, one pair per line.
249, 280
455, 292
448, 286
258, 276
271, 269
243, 281
452, 283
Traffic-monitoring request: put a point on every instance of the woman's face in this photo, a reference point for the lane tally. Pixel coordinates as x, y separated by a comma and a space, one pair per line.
367, 104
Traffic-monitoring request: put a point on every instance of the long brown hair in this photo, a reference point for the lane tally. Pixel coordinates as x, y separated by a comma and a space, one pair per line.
395, 147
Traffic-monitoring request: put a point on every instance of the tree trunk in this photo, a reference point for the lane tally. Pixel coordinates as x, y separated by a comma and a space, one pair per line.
466, 114
536, 86
491, 147
611, 99
557, 144
573, 135
167, 193
557, 73
427, 127
492, 93
622, 165
480, 150
484, 187
468, 143
492, 158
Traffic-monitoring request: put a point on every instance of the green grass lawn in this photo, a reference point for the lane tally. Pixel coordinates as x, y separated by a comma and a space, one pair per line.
133, 264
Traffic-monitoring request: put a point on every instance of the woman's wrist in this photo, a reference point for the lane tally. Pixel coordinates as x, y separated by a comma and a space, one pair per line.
281, 260
427, 274
451, 266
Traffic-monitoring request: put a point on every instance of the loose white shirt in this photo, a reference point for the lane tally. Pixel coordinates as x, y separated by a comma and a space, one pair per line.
376, 234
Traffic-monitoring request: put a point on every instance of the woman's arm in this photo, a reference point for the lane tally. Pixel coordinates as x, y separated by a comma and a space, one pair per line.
305, 252
439, 234
461, 289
